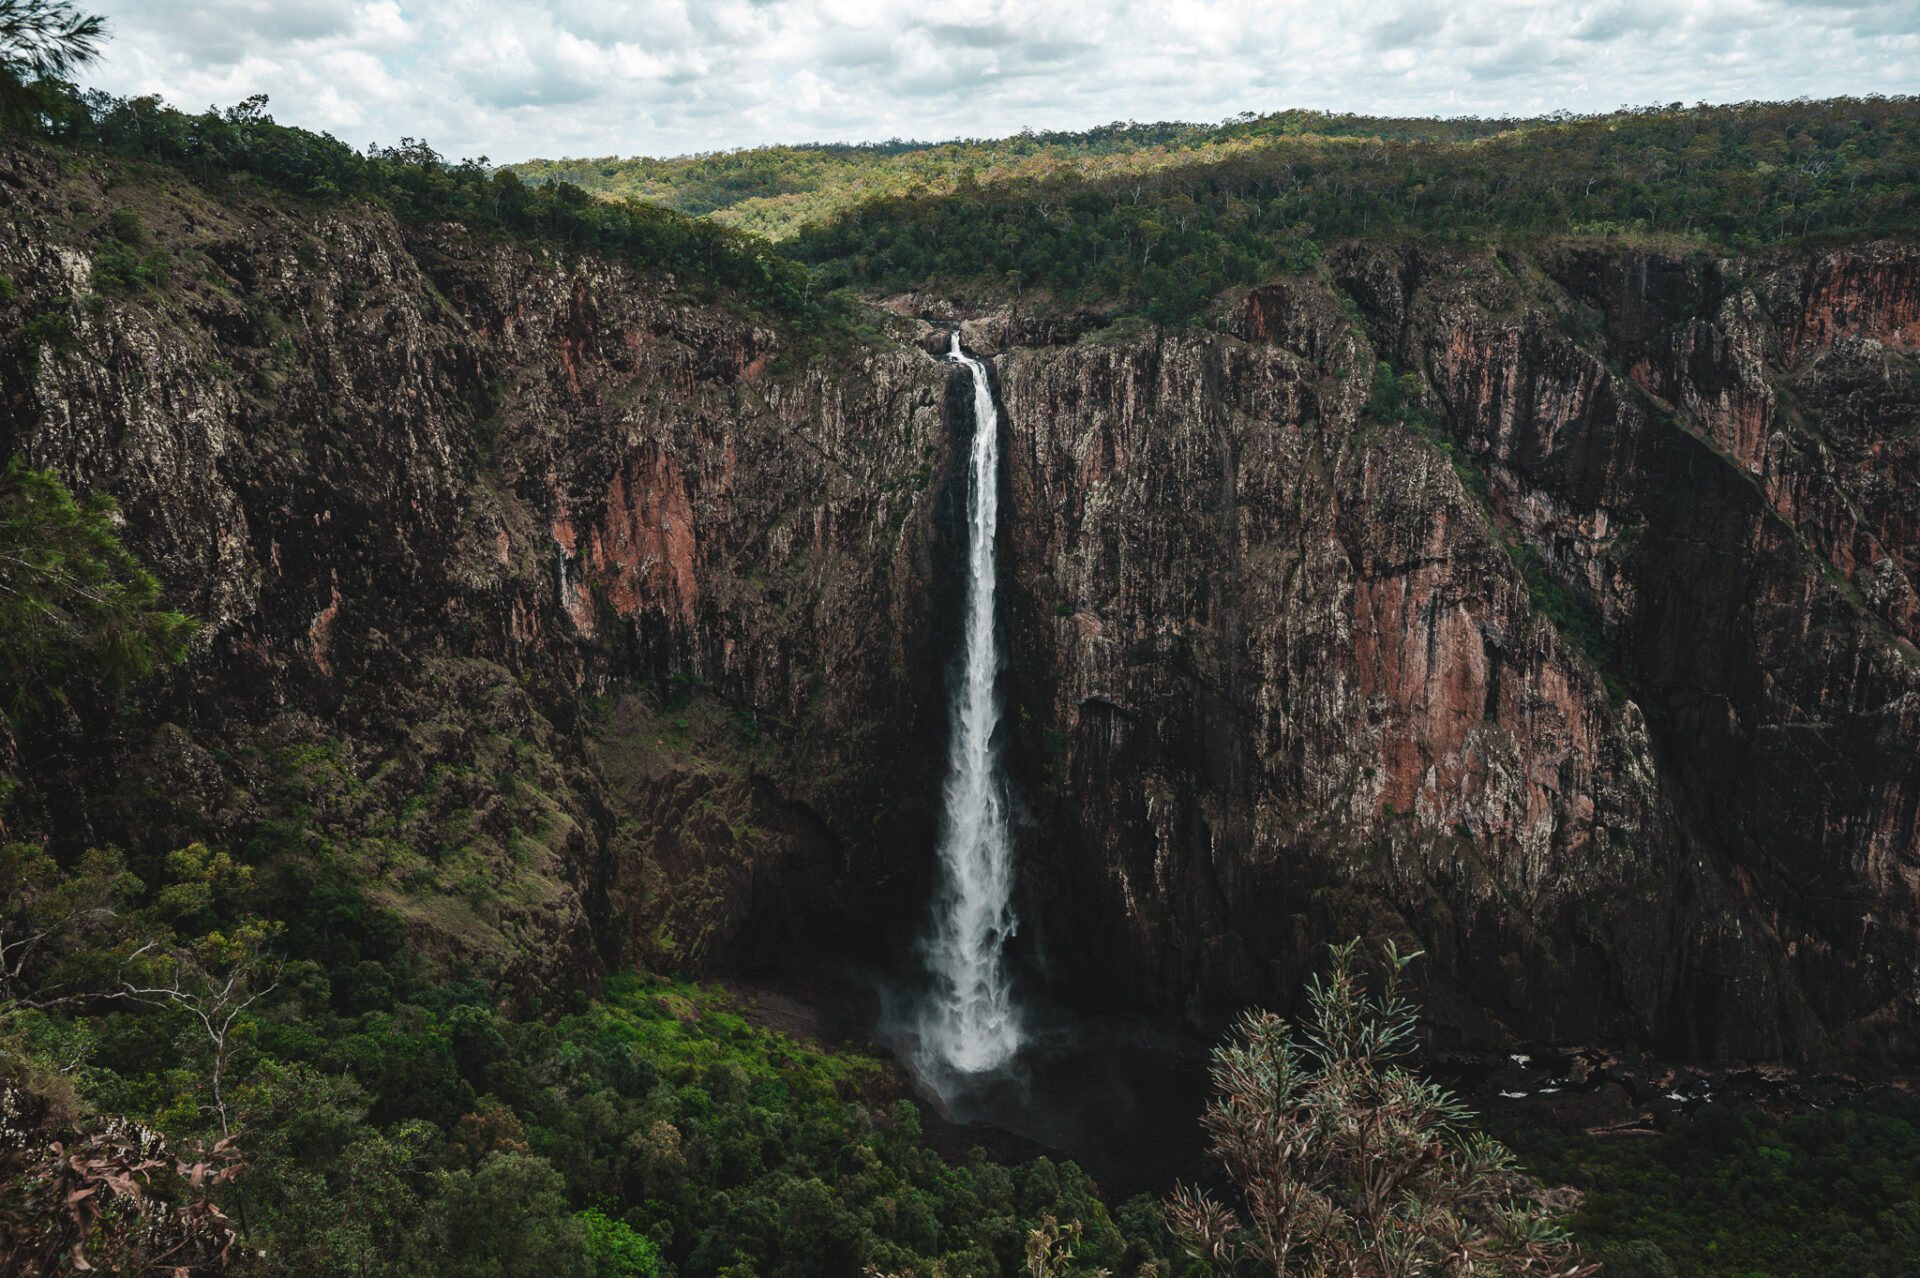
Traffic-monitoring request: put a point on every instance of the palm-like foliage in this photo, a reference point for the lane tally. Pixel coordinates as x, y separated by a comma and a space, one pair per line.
1346, 1162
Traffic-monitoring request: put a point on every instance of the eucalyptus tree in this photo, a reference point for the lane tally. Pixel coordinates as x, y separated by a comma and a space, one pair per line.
42, 40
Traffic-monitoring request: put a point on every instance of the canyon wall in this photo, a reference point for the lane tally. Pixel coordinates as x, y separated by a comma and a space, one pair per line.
579, 619
1594, 677
445, 506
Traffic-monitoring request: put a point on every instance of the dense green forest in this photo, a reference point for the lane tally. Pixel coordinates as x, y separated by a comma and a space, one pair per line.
393, 1122
1728, 1192
390, 1117
775, 190
1158, 219
1161, 218
1167, 240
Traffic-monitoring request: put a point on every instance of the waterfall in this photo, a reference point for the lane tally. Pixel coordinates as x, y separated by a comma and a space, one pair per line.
968, 1024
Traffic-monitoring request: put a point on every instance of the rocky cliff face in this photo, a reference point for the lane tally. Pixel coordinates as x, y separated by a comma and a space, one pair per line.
443, 505
1290, 679
581, 621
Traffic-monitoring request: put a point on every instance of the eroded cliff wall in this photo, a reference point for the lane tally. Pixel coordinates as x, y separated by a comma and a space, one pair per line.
438, 502
1288, 679
581, 620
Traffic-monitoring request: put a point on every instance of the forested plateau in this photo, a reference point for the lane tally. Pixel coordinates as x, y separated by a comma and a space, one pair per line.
510, 607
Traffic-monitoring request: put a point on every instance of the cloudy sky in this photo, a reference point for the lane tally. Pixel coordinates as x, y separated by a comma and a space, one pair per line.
513, 79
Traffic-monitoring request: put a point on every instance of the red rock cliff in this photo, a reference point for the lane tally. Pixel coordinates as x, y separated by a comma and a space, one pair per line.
582, 623
1290, 680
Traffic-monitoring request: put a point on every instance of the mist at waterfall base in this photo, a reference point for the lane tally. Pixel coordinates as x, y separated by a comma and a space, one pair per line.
1119, 1093
1116, 1093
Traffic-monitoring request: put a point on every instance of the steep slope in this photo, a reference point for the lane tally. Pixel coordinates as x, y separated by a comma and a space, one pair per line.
580, 622
1285, 680
432, 497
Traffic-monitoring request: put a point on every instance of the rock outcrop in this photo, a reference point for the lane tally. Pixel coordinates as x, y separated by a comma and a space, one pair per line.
443, 504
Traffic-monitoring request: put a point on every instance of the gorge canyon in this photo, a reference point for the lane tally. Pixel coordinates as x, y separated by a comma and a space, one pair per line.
1548, 607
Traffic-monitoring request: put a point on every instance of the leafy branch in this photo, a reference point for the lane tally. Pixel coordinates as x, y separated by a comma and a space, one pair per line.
42, 40
1348, 1163
73, 600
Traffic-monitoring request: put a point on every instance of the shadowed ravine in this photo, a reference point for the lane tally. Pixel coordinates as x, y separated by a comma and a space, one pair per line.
1119, 1094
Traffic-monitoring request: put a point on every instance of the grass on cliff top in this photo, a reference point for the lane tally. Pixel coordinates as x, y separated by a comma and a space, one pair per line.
243, 144
1166, 239
1157, 219
776, 190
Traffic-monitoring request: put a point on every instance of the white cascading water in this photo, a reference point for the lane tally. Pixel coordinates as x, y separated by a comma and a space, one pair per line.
968, 1024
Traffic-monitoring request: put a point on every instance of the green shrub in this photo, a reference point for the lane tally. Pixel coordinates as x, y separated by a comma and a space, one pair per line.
120, 269
615, 1250
1346, 1161
51, 330
126, 226
75, 605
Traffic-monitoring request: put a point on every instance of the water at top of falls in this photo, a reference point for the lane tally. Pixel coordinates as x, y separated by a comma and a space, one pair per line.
968, 1024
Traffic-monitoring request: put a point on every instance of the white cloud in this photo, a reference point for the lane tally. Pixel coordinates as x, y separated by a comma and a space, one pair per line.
513, 79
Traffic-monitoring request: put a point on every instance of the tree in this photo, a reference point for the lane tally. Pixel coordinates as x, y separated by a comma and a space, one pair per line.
1348, 1163
325, 1191
215, 980
615, 1250
505, 1218
73, 600
58, 927
42, 40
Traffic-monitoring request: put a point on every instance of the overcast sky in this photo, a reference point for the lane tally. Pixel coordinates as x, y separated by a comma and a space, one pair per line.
512, 79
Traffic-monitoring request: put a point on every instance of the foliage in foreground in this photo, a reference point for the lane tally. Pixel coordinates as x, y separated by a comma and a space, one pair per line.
41, 40
1345, 1162
73, 1201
